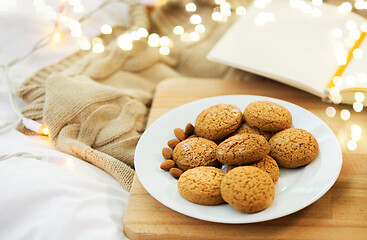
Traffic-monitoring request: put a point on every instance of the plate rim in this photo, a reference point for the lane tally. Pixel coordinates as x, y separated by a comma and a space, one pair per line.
322, 192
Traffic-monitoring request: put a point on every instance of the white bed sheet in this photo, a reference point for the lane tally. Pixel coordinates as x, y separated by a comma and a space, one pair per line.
60, 196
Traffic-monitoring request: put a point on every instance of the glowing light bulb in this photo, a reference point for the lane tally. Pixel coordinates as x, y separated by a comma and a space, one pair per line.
345, 114
106, 29
194, 36
334, 91
341, 60
338, 81
195, 19
164, 41
358, 106
200, 28
317, 2
355, 34
44, 130
190, 7
178, 30
359, 96
357, 53
85, 44
164, 50
74, 25
153, 40
352, 145
330, 112
125, 42
216, 16
344, 7
135, 35
241, 11
143, 32
98, 48
356, 129
351, 25
359, 5
56, 37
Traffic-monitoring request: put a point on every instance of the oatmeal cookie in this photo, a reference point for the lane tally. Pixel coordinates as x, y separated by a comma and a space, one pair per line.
242, 149
293, 147
195, 152
218, 121
267, 116
248, 189
201, 185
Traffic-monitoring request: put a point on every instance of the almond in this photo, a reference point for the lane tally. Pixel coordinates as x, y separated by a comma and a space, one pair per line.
167, 164
173, 142
179, 133
189, 129
166, 152
175, 172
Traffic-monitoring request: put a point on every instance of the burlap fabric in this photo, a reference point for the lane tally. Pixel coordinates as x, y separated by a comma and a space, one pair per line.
95, 105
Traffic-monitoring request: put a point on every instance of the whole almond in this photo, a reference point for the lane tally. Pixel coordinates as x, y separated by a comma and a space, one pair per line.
167, 164
175, 172
166, 152
173, 142
189, 129
179, 133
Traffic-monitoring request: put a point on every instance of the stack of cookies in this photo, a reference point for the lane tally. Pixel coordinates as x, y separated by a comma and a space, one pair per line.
252, 145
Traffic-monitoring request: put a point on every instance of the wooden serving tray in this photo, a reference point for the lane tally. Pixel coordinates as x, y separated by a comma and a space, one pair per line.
340, 214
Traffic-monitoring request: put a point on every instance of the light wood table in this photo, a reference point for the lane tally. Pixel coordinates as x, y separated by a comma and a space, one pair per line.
340, 214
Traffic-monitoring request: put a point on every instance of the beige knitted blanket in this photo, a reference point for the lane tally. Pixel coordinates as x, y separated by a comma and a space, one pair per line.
95, 105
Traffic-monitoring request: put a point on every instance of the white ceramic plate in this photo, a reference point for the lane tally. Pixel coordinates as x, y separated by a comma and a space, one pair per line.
295, 189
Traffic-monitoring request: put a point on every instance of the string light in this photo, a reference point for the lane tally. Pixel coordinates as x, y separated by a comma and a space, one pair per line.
352, 145
57, 36
355, 34
241, 11
317, 2
330, 112
190, 7
195, 19
164, 50
106, 29
357, 53
178, 30
359, 96
351, 25
84, 44
338, 81
125, 42
358, 106
200, 28
143, 33
194, 36
344, 8
153, 40
345, 114
164, 41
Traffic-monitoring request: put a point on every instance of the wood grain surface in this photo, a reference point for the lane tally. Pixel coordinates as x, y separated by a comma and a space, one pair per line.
340, 214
